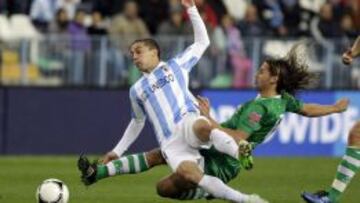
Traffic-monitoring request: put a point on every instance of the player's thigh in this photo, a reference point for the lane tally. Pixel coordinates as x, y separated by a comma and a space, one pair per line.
154, 157
177, 150
196, 130
178, 154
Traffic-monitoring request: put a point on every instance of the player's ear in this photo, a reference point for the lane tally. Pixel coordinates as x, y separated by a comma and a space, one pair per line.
153, 52
274, 79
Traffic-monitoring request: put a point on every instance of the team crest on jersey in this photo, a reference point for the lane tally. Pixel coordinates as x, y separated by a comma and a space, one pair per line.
254, 117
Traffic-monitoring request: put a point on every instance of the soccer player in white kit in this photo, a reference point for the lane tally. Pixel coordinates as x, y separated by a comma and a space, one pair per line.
162, 96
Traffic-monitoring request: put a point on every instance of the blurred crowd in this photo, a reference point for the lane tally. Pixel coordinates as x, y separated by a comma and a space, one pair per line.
141, 18
229, 22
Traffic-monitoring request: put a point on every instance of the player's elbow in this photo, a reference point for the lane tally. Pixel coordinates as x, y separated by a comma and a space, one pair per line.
201, 46
203, 43
308, 114
304, 113
206, 42
307, 111
138, 122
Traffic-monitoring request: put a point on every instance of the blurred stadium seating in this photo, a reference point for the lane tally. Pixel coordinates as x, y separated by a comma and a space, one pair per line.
45, 46
106, 66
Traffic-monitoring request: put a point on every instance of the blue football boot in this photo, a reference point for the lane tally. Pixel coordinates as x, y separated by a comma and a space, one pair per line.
318, 197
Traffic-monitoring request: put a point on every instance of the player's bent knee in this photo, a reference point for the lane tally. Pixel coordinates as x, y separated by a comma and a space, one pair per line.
354, 136
155, 158
189, 172
356, 128
202, 129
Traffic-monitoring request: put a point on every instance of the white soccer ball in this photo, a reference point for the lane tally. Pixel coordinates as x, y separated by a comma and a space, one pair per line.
52, 191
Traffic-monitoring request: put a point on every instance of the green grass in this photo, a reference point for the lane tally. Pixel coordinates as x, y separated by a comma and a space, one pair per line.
277, 179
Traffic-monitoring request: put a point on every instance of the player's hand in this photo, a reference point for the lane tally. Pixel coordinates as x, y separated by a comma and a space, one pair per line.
341, 105
110, 156
187, 3
347, 57
204, 106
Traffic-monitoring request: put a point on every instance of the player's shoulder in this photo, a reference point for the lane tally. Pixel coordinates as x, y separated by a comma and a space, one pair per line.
172, 63
134, 88
289, 98
174, 66
256, 104
287, 95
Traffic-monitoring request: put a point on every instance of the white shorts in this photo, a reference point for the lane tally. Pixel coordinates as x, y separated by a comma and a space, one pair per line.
184, 145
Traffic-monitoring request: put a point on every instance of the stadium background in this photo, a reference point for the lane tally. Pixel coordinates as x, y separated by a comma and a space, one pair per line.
64, 83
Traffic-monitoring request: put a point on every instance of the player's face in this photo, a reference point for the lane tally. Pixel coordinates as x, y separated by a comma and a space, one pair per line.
263, 78
142, 56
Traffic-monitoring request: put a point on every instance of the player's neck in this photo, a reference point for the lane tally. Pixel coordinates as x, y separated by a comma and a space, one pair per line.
268, 93
152, 66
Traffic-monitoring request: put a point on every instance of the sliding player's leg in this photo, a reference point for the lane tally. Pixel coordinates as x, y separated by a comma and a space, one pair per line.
217, 164
174, 187
190, 172
347, 169
187, 164
182, 185
203, 132
130, 164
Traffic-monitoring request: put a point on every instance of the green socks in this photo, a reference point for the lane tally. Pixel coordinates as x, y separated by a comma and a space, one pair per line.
130, 164
347, 169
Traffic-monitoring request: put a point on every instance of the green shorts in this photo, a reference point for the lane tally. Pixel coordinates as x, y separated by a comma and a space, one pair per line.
220, 165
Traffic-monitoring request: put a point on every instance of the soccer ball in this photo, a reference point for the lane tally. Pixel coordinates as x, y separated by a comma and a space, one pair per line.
52, 191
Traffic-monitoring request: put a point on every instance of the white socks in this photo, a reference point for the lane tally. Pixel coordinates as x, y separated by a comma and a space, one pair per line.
218, 189
224, 143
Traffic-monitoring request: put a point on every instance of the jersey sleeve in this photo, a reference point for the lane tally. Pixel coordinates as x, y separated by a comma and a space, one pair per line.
137, 109
249, 118
188, 58
292, 104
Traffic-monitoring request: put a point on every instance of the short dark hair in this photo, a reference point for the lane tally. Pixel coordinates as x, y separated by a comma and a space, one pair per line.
292, 72
150, 43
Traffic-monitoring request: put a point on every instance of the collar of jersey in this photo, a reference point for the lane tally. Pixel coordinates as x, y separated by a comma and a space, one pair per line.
273, 97
161, 63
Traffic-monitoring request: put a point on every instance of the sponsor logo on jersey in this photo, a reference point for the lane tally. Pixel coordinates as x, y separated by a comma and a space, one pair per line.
157, 85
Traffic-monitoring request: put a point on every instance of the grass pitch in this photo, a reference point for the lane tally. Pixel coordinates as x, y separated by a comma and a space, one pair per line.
280, 180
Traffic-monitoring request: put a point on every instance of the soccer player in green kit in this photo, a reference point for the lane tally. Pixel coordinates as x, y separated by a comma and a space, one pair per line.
350, 162
277, 81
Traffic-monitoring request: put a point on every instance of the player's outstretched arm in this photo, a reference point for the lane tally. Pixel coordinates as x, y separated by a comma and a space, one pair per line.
201, 37
193, 53
316, 110
131, 133
352, 53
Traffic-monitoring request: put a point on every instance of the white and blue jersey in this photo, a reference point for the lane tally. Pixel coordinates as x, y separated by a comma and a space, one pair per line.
163, 95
